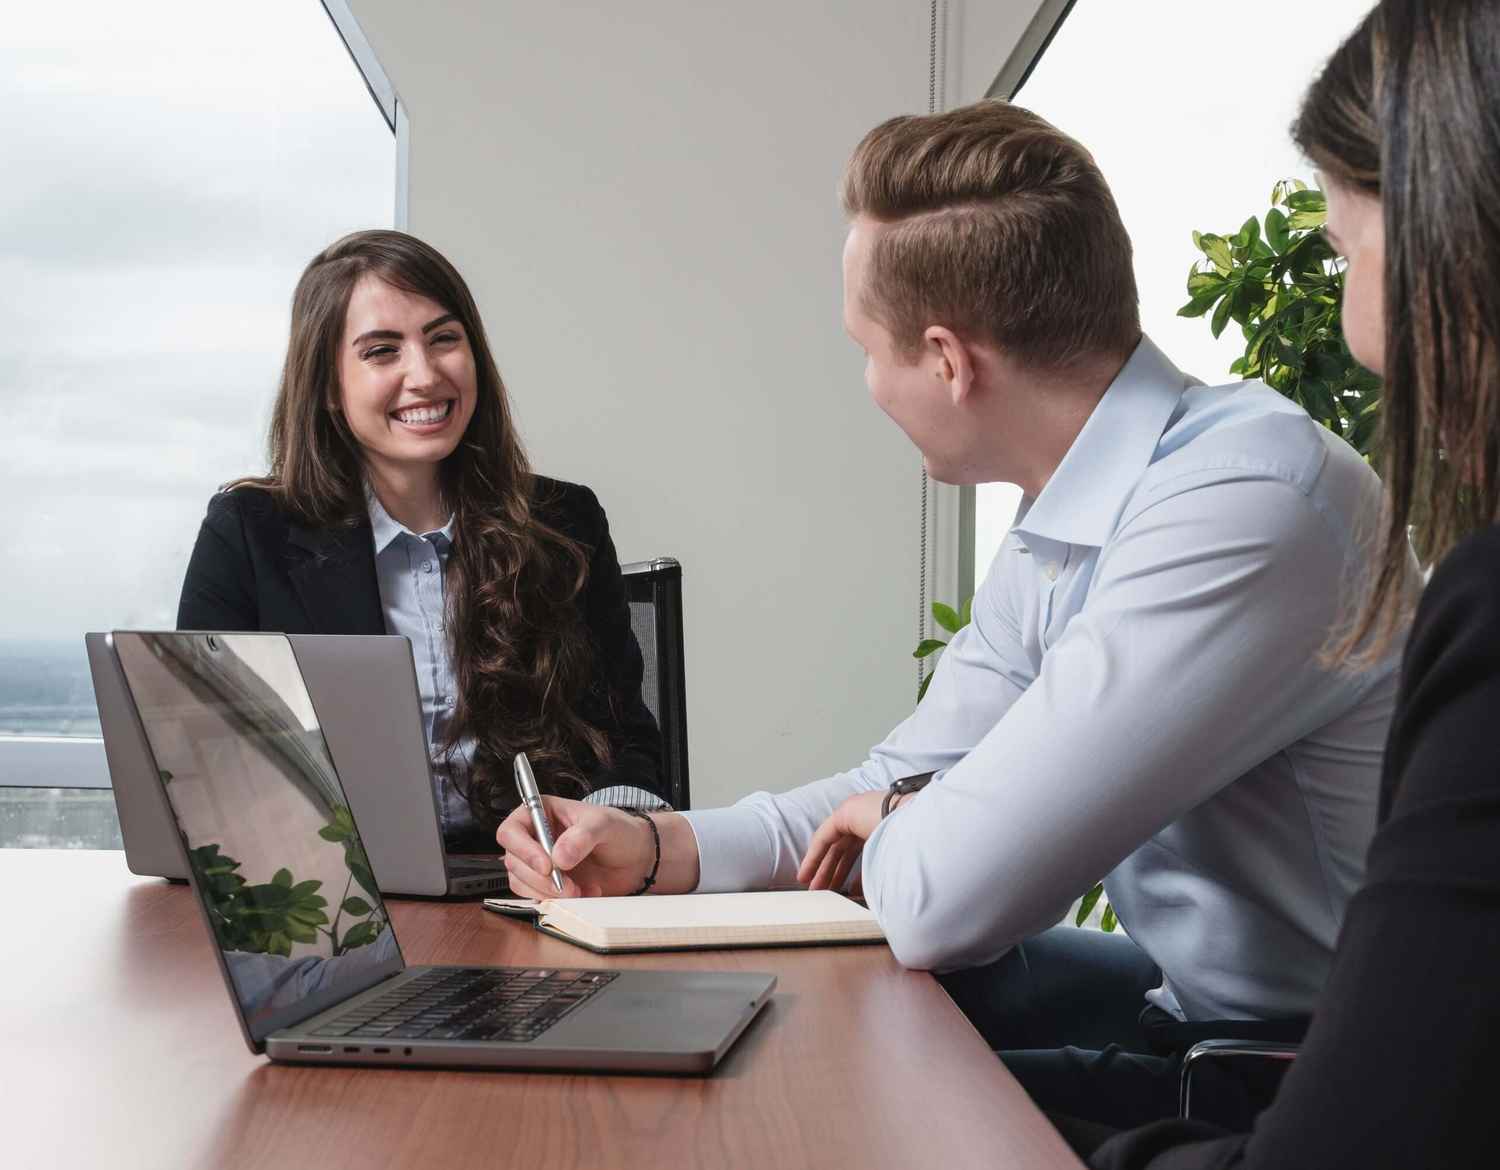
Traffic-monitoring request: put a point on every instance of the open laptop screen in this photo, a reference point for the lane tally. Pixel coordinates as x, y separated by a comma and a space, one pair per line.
276, 860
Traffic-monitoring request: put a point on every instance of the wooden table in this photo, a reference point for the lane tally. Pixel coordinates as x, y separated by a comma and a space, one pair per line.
120, 1050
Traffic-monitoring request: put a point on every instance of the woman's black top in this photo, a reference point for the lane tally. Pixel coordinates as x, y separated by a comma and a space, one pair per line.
254, 567
1395, 1072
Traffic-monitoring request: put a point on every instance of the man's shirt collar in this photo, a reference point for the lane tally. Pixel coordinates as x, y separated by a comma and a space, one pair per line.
1082, 501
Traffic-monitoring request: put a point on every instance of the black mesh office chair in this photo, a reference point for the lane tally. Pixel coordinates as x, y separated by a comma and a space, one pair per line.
1231, 1068
1263, 1063
654, 589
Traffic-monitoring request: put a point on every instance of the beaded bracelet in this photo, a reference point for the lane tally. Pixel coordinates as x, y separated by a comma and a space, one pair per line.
656, 841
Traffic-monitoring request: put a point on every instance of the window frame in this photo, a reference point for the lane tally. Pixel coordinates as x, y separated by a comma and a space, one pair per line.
952, 526
58, 761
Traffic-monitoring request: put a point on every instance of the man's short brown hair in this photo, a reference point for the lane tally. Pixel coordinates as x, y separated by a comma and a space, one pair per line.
1002, 228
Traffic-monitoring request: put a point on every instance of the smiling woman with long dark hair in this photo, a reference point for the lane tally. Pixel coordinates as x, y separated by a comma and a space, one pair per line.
1396, 1072
399, 500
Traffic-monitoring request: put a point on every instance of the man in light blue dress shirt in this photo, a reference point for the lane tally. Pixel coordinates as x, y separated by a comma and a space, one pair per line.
1139, 696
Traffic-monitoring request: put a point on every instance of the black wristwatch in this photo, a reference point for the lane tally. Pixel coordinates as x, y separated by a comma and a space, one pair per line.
900, 788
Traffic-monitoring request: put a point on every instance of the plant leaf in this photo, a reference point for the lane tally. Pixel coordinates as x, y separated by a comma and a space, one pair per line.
1221, 317
1277, 234
365, 878
1108, 921
1199, 283
927, 646
1086, 906
1306, 199
1217, 250
360, 934
945, 616
357, 905
300, 932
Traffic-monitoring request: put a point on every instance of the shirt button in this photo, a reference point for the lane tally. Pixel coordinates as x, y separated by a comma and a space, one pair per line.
1051, 572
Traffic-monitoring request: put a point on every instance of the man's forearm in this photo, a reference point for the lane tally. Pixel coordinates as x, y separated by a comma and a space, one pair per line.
758, 843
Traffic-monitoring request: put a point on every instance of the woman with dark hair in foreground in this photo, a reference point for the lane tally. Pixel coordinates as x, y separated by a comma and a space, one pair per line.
1404, 127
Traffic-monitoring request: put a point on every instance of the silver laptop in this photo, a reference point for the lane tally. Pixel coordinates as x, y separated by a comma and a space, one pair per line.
364, 689
305, 942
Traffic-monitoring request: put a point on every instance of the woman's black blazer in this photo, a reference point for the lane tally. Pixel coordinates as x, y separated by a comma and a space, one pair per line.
254, 567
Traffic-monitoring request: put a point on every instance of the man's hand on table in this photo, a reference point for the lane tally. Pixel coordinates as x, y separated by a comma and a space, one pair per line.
836, 846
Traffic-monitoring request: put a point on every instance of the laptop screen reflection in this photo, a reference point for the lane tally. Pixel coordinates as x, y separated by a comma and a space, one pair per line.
266, 827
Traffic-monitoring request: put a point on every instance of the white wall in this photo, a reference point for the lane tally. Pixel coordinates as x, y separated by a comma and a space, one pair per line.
643, 198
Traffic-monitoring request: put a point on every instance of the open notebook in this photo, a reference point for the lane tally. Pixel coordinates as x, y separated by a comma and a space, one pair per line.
673, 922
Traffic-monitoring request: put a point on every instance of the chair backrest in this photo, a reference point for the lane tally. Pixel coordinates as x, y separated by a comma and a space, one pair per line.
654, 589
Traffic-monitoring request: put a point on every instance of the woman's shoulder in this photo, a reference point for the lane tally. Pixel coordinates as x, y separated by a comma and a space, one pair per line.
1477, 553
571, 507
248, 507
560, 493
1442, 745
244, 498
1463, 597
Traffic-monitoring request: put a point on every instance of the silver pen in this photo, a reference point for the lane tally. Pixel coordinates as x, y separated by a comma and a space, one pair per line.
531, 797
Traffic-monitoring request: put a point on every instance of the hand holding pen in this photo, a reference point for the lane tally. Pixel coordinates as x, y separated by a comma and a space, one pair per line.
582, 850
531, 797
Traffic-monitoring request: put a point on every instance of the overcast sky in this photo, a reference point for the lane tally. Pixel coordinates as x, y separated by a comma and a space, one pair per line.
167, 178
1185, 105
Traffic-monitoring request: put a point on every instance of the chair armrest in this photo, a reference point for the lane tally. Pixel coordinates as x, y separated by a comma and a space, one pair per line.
1228, 1050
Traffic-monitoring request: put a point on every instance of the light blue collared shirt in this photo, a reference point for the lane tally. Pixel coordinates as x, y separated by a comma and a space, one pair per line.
409, 572
1138, 695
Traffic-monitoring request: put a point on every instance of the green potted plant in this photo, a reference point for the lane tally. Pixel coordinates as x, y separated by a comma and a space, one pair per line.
1283, 286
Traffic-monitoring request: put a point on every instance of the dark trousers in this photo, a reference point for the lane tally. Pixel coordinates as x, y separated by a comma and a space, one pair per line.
1063, 1011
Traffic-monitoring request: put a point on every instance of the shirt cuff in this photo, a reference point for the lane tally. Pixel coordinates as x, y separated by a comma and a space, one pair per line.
627, 796
730, 858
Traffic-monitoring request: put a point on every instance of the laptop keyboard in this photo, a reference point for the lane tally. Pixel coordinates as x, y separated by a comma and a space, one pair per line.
471, 1003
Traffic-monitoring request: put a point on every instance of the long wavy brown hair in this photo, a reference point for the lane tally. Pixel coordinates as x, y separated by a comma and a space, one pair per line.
1408, 109
520, 652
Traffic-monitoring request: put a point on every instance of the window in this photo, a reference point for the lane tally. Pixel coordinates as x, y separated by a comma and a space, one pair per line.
1185, 106
169, 178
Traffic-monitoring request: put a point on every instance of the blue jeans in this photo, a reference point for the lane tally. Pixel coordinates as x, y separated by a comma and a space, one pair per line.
1063, 1011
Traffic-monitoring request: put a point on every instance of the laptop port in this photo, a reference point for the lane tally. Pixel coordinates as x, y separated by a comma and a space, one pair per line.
348, 1049
383, 1051
315, 1048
